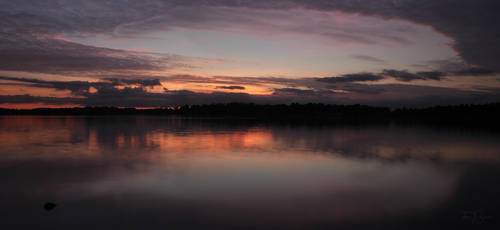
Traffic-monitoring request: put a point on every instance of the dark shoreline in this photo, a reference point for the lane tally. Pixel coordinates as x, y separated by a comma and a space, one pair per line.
485, 115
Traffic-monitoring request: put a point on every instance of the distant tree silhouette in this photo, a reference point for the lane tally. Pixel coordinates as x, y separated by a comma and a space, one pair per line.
485, 113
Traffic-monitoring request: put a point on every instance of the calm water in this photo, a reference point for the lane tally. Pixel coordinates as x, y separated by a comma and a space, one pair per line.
167, 173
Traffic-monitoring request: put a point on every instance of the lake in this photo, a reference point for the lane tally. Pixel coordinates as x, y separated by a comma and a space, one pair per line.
140, 172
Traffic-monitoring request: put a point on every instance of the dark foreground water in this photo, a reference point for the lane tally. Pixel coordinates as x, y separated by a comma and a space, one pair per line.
167, 173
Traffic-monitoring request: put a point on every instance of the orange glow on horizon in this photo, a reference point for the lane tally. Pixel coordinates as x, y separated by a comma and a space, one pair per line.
213, 87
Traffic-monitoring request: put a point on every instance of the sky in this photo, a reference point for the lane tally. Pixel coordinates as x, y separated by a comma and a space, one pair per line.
159, 53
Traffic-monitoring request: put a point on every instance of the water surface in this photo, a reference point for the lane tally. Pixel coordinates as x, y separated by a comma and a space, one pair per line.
171, 173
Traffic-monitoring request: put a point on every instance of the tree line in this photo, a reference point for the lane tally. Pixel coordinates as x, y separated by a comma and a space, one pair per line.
312, 111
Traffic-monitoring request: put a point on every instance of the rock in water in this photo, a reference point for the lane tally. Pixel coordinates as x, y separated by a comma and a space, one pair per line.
49, 206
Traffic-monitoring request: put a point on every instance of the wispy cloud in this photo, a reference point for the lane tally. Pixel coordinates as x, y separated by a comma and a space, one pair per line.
357, 77
475, 71
83, 87
32, 54
231, 87
404, 75
369, 59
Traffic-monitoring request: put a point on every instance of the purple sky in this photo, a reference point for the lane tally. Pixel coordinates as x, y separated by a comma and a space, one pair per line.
60, 53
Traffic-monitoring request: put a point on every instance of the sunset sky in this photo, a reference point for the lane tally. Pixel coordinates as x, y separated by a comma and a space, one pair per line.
157, 53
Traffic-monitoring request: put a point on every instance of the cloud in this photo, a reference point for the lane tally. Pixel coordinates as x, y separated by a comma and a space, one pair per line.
437, 75
404, 75
352, 29
32, 33
431, 75
407, 95
48, 55
475, 71
136, 93
369, 59
469, 23
231, 80
298, 92
357, 77
314, 86
395, 95
456, 67
231, 87
363, 89
141, 82
187, 78
30, 28
457, 19
82, 87
23, 99
74, 86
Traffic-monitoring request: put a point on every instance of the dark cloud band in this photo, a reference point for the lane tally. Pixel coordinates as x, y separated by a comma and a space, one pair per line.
231, 87
359, 77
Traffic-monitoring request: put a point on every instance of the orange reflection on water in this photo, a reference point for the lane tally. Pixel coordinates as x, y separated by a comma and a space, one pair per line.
161, 137
252, 139
47, 137
36, 105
